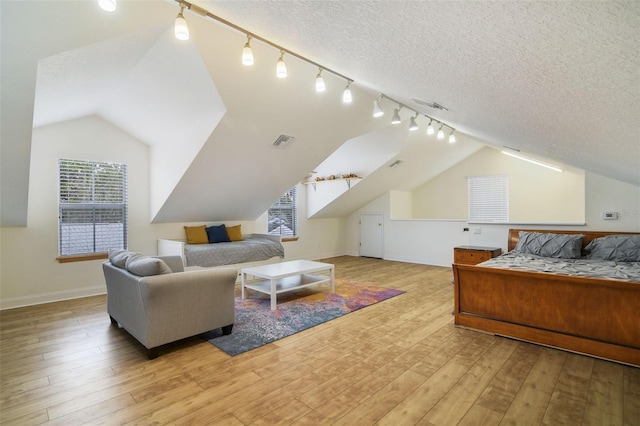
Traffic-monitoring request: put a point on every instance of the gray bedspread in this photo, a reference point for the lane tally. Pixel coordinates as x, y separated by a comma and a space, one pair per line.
627, 271
250, 250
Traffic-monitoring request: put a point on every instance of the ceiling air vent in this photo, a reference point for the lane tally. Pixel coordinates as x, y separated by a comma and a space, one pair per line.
283, 141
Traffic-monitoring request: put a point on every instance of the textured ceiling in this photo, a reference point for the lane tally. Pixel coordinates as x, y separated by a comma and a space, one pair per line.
560, 79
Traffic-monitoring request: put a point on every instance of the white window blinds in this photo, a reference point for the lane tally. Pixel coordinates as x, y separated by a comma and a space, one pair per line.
283, 215
489, 198
92, 206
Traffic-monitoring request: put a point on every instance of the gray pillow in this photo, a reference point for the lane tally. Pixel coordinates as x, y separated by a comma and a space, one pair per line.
566, 246
119, 257
619, 248
144, 266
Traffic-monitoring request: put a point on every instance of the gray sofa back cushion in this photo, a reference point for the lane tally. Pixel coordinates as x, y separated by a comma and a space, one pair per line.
144, 266
119, 257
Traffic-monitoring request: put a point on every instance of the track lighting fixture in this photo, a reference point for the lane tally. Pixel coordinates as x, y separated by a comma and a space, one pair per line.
413, 126
320, 86
182, 33
396, 116
346, 94
107, 5
181, 29
430, 129
247, 53
377, 109
281, 68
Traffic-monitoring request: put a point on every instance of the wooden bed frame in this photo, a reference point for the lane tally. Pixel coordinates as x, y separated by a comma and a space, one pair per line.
592, 316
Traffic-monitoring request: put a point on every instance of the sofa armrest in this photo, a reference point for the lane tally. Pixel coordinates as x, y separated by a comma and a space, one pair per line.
183, 303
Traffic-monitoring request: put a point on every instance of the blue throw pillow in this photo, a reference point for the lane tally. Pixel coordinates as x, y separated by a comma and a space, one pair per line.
217, 234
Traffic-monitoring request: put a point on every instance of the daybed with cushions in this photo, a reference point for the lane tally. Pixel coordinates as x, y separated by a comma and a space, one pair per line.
158, 302
578, 291
211, 246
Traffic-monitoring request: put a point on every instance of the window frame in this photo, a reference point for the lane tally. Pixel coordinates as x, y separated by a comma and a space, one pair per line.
293, 207
483, 191
93, 195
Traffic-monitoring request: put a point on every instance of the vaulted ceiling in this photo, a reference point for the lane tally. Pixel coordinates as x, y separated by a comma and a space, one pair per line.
559, 80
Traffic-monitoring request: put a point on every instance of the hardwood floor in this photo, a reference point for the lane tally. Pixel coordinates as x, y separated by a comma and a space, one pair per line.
400, 362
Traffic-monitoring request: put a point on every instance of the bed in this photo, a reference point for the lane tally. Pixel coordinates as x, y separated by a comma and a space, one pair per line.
254, 249
597, 316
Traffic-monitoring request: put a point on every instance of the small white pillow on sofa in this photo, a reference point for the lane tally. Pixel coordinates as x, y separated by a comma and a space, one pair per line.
144, 266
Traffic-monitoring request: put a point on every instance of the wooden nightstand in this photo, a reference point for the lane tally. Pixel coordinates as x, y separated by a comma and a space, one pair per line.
472, 255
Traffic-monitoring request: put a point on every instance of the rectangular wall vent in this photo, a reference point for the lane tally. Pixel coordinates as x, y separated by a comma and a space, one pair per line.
283, 141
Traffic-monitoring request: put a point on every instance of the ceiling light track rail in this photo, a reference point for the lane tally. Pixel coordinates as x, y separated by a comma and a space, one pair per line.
181, 30
203, 12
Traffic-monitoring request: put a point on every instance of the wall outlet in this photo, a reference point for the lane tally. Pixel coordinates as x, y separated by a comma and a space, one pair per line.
477, 231
610, 215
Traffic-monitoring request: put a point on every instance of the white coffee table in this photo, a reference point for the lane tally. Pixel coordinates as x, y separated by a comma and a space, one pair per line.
286, 276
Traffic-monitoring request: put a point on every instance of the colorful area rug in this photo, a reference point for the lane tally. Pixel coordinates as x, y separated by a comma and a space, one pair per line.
256, 324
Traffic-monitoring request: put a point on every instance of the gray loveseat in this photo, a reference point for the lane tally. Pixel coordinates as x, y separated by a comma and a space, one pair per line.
158, 302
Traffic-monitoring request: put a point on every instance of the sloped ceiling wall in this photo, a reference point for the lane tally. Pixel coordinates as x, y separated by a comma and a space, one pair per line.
557, 80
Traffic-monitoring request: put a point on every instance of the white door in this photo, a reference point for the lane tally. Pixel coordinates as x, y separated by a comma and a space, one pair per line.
371, 235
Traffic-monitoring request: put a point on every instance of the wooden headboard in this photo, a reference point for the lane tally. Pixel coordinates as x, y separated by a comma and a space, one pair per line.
588, 235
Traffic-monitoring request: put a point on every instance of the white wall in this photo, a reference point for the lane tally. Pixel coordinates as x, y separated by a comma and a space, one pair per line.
536, 194
29, 271
432, 241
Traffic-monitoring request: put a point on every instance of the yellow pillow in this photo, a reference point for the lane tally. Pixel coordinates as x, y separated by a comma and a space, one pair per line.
235, 233
196, 235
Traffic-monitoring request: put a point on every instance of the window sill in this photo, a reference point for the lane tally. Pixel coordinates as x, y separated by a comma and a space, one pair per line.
81, 257
289, 239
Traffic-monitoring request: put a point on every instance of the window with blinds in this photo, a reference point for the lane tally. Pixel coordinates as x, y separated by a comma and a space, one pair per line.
283, 215
92, 207
489, 198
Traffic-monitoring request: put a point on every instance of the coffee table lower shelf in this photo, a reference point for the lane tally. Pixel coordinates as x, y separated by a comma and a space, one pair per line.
287, 284
281, 277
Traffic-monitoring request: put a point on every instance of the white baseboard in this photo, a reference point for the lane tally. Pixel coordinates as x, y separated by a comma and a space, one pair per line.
54, 296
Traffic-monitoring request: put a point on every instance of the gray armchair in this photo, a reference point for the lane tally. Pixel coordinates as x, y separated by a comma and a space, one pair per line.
169, 306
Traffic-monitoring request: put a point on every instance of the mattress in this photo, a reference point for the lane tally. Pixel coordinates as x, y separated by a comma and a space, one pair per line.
252, 249
581, 267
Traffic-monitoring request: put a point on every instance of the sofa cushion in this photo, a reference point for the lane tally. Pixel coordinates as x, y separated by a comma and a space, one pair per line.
144, 266
119, 257
217, 234
235, 233
196, 234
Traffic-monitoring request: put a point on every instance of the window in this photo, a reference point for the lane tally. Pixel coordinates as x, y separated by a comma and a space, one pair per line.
93, 207
489, 198
283, 215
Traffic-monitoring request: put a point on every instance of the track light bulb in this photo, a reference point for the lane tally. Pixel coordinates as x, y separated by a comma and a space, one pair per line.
346, 94
107, 5
281, 68
396, 117
247, 53
320, 86
430, 129
441, 132
377, 109
181, 29
413, 126
452, 137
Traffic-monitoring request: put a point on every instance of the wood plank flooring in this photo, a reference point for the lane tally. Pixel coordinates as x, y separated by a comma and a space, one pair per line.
400, 362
